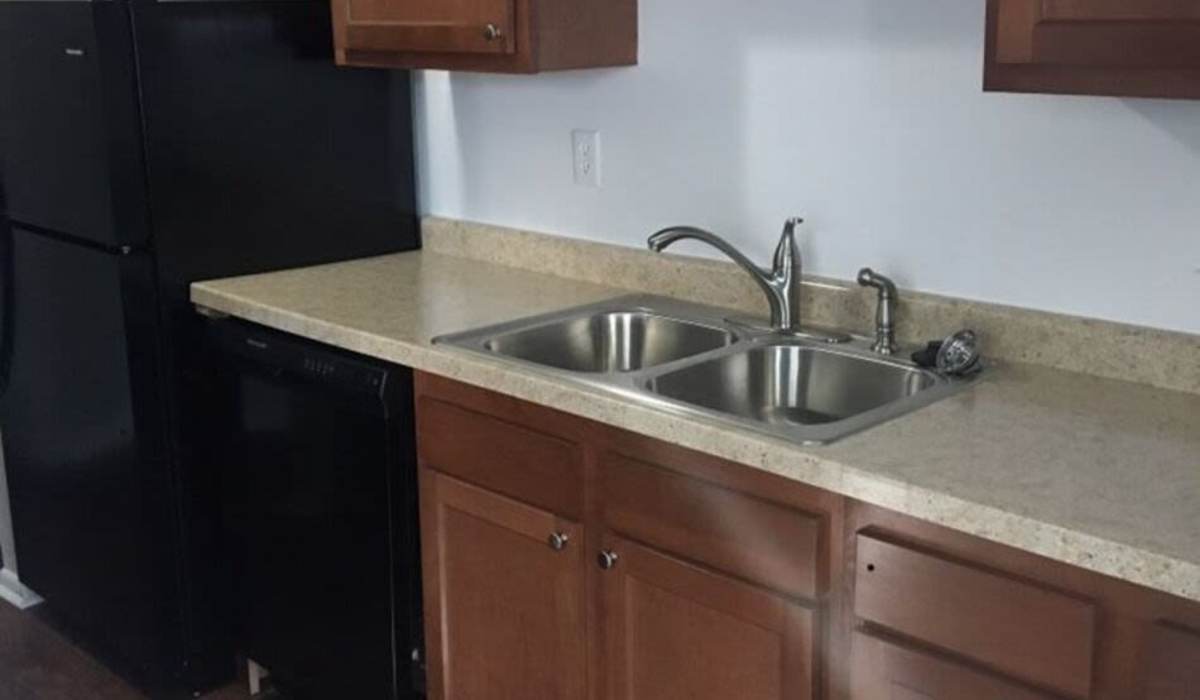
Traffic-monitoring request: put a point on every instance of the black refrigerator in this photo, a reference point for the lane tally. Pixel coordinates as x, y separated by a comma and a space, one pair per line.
145, 145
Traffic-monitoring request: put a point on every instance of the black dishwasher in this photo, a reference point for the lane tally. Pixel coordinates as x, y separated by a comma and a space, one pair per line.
316, 448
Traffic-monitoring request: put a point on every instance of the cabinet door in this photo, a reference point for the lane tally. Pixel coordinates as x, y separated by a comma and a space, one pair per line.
675, 631
1116, 47
438, 26
881, 670
1172, 667
504, 596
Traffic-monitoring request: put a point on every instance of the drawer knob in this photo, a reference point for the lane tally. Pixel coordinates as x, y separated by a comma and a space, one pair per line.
607, 559
558, 541
491, 32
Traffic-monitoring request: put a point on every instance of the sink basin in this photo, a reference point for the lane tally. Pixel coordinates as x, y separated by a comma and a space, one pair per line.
789, 384
610, 342
694, 360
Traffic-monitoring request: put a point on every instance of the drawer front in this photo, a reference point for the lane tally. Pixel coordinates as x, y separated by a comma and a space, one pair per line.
745, 536
1017, 628
508, 458
881, 670
1172, 666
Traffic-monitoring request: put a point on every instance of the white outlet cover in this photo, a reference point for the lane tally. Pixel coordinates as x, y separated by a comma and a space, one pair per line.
585, 150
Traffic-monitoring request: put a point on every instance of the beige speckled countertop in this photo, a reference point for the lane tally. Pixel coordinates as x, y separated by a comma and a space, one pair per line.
1094, 472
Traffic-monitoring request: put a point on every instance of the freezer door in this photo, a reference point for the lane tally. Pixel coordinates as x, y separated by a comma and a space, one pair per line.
262, 153
90, 506
70, 149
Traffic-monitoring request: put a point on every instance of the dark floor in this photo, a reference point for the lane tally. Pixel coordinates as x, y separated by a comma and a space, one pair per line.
38, 663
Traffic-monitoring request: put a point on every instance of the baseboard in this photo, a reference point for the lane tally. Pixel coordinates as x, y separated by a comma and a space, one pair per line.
13, 591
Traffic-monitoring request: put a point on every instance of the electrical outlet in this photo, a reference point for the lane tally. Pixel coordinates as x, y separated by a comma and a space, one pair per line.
585, 145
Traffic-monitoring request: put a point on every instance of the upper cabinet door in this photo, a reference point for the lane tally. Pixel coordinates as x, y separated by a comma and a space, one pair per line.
449, 26
1148, 48
501, 36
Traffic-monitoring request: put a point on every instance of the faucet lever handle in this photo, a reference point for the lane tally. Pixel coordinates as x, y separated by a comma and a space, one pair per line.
787, 253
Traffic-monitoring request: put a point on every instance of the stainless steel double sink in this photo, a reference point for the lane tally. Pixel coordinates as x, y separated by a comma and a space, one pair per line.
702, 361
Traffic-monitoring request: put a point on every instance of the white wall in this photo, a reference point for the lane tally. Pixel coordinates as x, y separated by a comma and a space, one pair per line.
867, 117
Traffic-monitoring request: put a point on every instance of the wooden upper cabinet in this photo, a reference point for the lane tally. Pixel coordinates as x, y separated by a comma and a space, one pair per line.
433, 26
507, 36
1135, 48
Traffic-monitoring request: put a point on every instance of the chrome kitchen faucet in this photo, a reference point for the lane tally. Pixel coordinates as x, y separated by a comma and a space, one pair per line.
781, 284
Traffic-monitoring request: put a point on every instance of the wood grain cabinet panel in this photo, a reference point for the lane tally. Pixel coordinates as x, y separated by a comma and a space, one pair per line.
883, 670
731, 583
675, 631
1136, 48
451, 26
511, 36
504, 609
1028, 632
1172, 666
511, 458
754, 539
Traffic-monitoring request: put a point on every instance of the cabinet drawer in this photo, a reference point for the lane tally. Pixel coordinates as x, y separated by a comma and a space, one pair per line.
1017, 628
508, 458
1172, 666
880, 670
745, 536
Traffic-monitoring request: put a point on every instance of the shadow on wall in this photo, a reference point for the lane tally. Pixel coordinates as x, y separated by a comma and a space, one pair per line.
1183, 125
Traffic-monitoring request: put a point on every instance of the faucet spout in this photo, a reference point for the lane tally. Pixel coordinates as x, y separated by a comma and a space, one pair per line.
781, 284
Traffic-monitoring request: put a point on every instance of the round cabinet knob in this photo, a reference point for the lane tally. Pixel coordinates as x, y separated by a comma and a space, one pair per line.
491, 32
558, 541
607, 559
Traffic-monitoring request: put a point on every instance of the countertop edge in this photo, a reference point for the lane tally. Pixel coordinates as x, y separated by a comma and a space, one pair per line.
1099, 555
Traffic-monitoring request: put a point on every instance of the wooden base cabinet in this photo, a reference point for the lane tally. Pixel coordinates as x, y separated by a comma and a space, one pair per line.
505, 583
983, 620
889, 670
1172, 664
676, 631
566, 560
